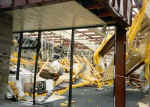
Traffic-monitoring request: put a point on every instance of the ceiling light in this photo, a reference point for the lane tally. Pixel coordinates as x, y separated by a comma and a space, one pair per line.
90, 33
100, 28
111, 27
82, 29
34, 36
77, 34
96, 36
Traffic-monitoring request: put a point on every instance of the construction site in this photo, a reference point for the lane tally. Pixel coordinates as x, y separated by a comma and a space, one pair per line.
74, 53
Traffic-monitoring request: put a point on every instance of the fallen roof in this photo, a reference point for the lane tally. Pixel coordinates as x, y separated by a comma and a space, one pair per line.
57, 16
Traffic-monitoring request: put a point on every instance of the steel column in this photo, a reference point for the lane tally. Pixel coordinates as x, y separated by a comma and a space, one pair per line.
19, 55
120, 49
71, 69
36, 65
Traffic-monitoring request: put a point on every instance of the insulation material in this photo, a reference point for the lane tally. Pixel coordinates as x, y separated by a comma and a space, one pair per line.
86, 70
87, 75
95, 73
136, 24
147, 62
133, 58
145, 28
49, 85
63, 78
24, 84
97, 56
148, 9
109, 72
134, 55
81, 71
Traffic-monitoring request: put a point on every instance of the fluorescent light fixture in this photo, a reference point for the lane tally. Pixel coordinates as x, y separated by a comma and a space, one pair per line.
100, 28
111, 27
82, 30
46, 32
33, 36
96, 36
27, 33
55, 38
77, 34
91, 39
90, 33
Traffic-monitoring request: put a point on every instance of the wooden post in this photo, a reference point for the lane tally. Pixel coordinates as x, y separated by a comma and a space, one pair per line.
120, 49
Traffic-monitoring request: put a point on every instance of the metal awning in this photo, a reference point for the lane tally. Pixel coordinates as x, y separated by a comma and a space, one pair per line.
57, 16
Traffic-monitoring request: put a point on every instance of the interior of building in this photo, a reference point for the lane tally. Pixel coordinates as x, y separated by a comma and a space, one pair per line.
74, 53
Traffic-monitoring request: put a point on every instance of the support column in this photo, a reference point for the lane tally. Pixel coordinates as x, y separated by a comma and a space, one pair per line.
19, 55
71, 69
36, 65
5, 47
120, 50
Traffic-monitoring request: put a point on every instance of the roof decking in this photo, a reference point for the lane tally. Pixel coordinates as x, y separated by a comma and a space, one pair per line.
109, 11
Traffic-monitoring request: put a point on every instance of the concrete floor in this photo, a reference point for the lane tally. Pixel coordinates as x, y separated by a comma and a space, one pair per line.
89, 97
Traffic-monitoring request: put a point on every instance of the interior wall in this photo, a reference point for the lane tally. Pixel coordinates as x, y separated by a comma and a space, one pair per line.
5, 45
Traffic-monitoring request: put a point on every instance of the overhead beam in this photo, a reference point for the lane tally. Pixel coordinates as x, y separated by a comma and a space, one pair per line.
15, 4
105, 14
96, 6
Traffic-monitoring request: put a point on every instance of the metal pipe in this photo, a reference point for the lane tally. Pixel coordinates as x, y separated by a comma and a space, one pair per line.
71, 69
19, 55
36, 65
